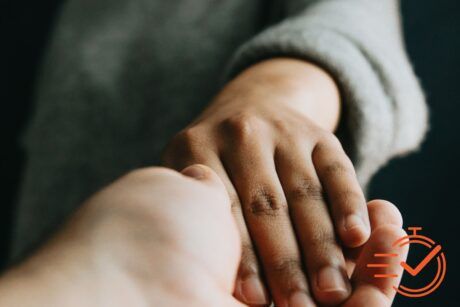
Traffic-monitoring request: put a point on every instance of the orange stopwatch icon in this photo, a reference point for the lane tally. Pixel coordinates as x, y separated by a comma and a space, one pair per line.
434, 253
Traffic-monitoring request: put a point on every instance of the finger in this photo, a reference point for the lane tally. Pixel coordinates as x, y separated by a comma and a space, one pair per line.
253, 173
323, 256
346, 198
381, 213
369, 289
229, 259
249, 286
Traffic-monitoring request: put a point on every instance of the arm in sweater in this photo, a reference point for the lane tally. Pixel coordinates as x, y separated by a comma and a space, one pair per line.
359, 42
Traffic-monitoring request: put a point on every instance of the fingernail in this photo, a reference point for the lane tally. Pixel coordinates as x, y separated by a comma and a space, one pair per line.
252, 291
194, 171
300, 299
330, 279
354, 221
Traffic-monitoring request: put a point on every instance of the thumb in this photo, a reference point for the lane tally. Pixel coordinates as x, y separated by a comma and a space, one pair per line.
207, 175
220, 241
377, 290
203, 173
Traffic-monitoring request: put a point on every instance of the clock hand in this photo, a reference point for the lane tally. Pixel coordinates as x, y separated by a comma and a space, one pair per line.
422, 264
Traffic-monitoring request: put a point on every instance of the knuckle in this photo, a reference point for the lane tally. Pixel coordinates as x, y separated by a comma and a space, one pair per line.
187, 141
286, 265
282, 126
189, 135
326, 249
322, 240
289, 271
306, 188
266, 203
248, 264
339, 168
349, 198
242, 126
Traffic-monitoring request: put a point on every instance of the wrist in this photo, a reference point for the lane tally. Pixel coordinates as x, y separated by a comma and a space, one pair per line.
301, 85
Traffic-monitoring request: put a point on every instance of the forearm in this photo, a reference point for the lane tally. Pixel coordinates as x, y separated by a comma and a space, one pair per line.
39, 283
65, 273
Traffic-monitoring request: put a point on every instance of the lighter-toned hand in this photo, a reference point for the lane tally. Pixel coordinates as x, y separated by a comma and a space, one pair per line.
155, 237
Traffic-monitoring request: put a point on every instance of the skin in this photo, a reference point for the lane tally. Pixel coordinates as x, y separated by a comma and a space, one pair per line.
269, 135
154, 237
160, 238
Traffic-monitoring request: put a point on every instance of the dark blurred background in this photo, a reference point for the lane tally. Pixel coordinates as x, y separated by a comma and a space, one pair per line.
424, 185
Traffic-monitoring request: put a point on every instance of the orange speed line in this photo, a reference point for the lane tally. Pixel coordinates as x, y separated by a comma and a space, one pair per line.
385, 255
377, 265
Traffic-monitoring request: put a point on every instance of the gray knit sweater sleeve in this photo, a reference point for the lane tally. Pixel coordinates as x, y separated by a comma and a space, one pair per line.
360, 43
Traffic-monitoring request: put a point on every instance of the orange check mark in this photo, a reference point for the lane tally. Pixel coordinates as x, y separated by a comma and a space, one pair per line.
422, 264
